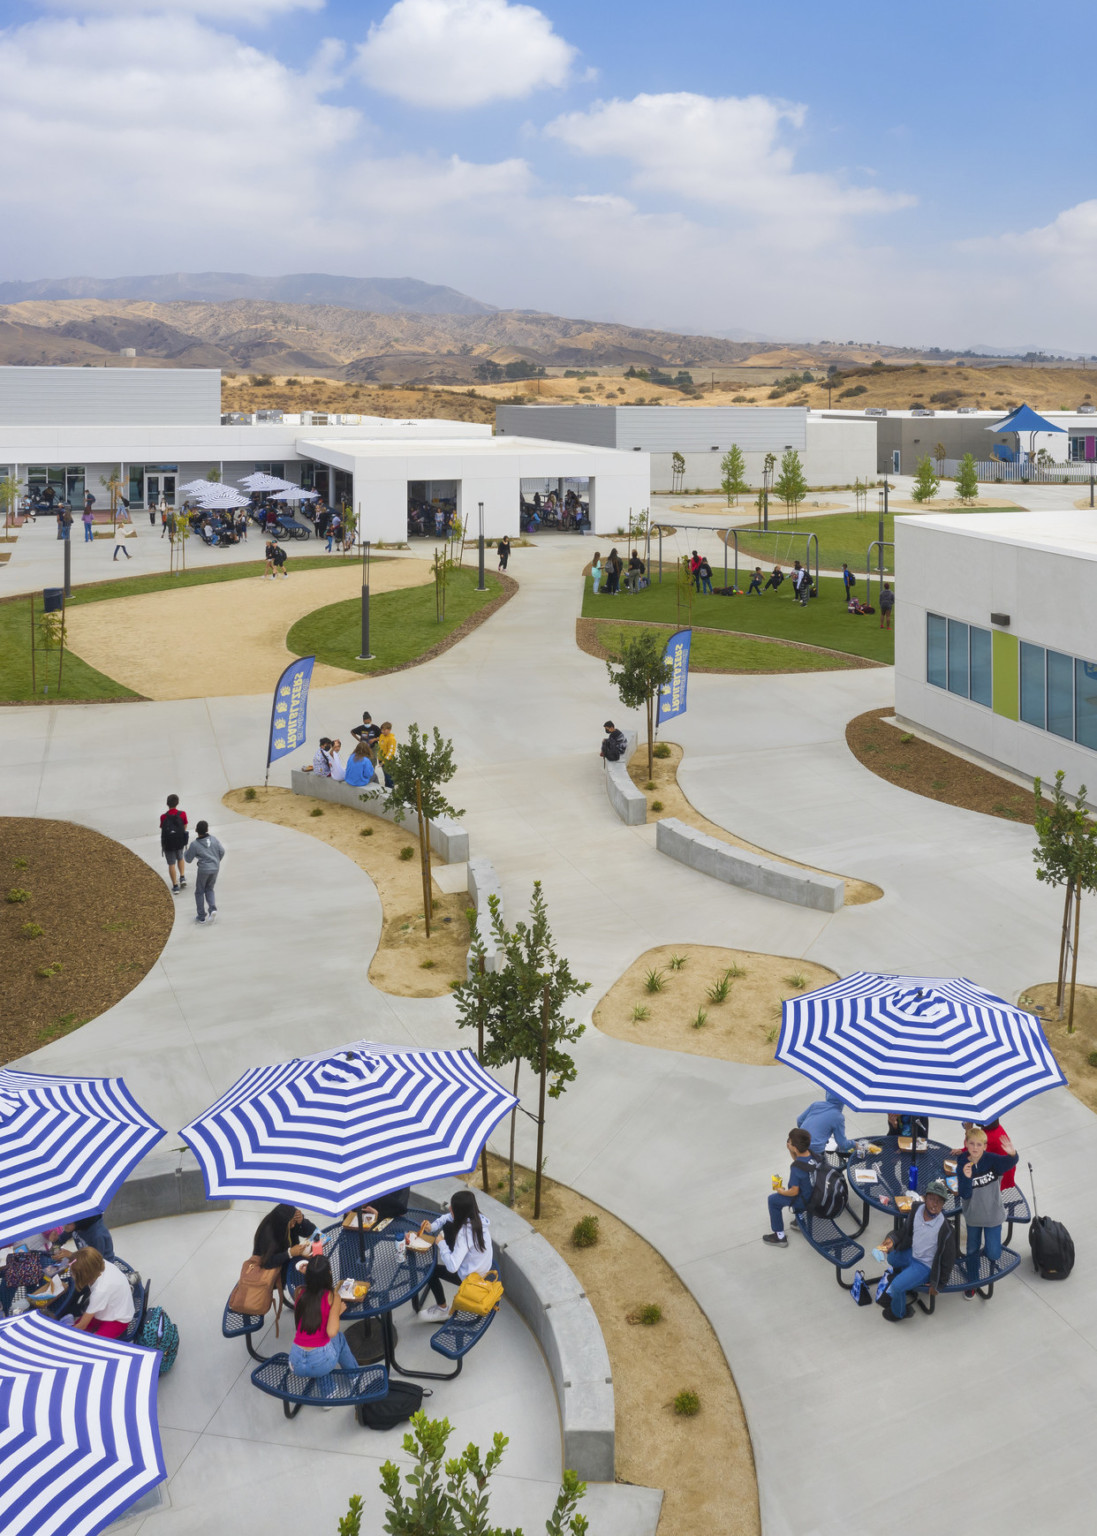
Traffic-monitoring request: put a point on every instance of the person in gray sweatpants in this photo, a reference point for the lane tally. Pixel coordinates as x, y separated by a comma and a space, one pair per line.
207, 853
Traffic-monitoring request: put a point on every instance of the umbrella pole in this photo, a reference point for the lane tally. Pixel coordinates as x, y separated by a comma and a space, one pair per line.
361, 1237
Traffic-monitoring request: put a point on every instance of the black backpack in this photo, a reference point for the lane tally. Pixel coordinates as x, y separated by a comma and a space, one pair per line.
402, 1400
173, 834
830, 1192
614, 748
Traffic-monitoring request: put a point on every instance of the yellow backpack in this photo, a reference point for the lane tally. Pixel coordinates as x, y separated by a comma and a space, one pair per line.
479, 1294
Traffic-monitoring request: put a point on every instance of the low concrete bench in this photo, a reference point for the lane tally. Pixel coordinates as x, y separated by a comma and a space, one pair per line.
448, 838
752, 871
629, 801
483, 883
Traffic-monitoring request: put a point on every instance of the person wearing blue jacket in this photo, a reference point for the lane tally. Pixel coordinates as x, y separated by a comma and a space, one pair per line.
978, 1179
359, 770
824, 1119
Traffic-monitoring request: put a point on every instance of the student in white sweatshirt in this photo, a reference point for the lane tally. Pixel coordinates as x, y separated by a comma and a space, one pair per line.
464, 1248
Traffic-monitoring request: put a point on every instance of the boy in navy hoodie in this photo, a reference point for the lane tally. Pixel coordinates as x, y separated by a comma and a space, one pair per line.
797, 1193
978, 1177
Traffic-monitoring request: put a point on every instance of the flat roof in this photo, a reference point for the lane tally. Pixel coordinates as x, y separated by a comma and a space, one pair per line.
495, 447
1058, 533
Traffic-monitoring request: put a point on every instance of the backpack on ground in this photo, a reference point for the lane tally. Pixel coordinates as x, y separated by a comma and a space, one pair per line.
159, 1332
829, 1193
1051, 1244
397, 1406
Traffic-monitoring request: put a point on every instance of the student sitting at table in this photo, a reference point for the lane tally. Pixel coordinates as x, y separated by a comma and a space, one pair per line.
924, 1247
109, 1310
389, 1206
904, 1125
464, 1248
797, 1193
824, 1119
281, 1236
318, 1347
978, 1175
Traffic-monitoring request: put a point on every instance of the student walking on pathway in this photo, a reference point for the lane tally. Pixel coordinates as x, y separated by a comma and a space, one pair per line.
887, 603
207, 852
504, 553
120, 542
87, 517
174, 838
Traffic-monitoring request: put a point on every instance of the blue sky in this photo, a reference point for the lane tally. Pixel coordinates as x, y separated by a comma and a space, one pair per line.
914, 174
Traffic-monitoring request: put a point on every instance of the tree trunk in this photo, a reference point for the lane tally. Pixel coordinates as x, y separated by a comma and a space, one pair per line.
1074, 961
424, 854
651, 732
1061, 980
541, 1106
513, 1125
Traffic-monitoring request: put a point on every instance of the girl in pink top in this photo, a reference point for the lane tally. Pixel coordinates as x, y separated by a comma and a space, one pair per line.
318, 1347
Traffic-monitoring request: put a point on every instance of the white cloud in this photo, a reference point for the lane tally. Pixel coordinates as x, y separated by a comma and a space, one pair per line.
451, 54
219, 10
725, 152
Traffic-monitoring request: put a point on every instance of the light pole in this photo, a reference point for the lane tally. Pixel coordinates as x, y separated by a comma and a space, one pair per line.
480, 545
882, 506
767, 474
366, 653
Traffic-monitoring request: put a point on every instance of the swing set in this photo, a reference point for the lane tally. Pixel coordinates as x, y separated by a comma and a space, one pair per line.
732, 534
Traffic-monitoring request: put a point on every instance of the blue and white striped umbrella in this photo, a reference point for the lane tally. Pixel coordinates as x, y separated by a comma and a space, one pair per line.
918, 1045
66, 1143
333, 1131
79, 1441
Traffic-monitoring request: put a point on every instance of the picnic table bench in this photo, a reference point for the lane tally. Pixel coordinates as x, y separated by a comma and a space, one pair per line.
825, 1235
961, 1279
453, 1339
237, 1325
347, 1388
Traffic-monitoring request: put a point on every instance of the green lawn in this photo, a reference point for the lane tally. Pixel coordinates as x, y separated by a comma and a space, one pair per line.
823, 622
844, 539
402, 624
731, 653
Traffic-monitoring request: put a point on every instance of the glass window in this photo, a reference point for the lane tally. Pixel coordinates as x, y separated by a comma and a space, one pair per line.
1085, 704
1032, 684
957, 657
981, 691
936, 651
1060, 694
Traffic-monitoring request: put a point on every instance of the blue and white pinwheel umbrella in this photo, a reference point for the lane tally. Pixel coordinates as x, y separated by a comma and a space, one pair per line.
918, 1045
66, 1143
79, 1441
333, 1131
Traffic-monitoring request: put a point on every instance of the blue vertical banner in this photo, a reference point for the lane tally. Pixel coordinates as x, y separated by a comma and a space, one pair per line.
289, 711
672, 695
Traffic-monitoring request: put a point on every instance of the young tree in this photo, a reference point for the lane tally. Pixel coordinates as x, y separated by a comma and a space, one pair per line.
520, 1010
733, 473
967, 481
416, 772
639, 675
9, 496
926, 480
214, 475
440, 569
790, 484
677, 471
450, 1498
1066, 855
940, 454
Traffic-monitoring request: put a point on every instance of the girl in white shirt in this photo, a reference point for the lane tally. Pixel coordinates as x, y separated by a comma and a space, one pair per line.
110, 1308
464, 1248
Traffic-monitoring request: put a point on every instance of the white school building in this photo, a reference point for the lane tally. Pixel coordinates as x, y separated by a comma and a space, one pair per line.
156, 429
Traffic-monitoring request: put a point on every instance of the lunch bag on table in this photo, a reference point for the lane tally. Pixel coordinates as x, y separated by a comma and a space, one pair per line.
478, 1294
402, 1399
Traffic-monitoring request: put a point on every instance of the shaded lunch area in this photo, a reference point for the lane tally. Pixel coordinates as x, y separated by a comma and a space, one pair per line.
916, 1051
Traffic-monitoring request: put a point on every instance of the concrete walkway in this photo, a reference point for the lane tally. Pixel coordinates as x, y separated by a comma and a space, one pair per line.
979, 1419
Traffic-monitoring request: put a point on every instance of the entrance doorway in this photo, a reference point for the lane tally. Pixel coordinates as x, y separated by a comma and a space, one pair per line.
148, 482
432, 506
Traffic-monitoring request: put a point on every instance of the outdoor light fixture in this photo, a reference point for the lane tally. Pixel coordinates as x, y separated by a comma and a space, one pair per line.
1001, 619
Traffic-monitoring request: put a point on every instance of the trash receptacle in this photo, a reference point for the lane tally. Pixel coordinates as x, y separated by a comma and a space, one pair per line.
53, 599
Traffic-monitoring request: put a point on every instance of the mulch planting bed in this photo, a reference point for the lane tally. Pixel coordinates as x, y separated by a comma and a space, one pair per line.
933, 771
104, 916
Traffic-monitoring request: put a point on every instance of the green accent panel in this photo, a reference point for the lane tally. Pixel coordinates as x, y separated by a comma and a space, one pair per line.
1007, 677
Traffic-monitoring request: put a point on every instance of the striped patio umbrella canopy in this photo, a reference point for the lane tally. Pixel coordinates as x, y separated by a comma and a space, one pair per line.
333, 1131
917, 1045
261, 481
217, 496
194, 487
294, 493
79, 1441
66, 1143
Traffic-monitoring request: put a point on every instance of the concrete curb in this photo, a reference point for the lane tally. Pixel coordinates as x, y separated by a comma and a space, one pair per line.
627, 800
483, 883
752, 871
168, 1183
545, 1293
448, 839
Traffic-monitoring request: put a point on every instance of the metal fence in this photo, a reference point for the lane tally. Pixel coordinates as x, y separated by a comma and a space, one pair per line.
990, 471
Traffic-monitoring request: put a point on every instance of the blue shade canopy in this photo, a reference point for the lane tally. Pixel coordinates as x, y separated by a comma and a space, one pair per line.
1025, 419
79, 1440
66, 1143
918, 1045
333, 1131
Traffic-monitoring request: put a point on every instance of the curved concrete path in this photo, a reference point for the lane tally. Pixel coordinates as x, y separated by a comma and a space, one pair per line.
979, 1419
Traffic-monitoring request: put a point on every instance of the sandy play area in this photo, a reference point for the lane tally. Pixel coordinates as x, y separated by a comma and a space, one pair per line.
225, 638
665, 798
684, 1012
407, 963
705, 1464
